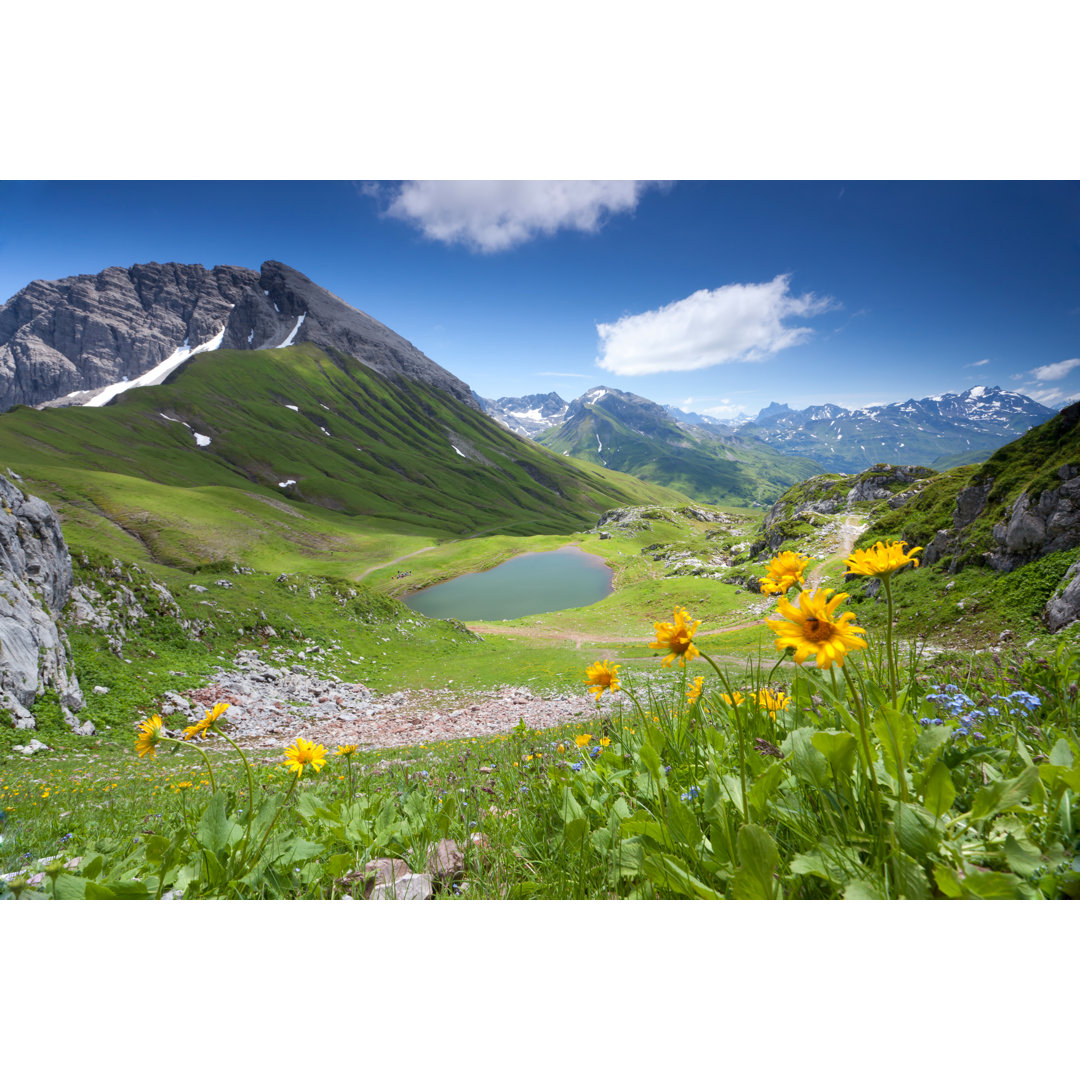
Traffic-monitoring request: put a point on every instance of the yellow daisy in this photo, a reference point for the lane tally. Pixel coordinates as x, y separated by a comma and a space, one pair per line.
677, 638
149, 736
882, 560
809, 628
785, 571
347, 749
774, 703
602, 676
198, 729
732, 699
305, 753
694, 692
583, 740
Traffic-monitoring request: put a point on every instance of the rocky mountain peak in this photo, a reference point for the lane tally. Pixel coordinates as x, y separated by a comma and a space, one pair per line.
65, 341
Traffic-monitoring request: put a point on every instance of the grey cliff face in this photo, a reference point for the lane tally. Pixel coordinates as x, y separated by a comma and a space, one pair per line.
61, 340
35, 582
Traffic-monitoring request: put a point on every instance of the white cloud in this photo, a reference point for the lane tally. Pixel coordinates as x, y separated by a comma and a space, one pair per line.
1053, 372
978, 363
735, 323
494, 215
1052, 397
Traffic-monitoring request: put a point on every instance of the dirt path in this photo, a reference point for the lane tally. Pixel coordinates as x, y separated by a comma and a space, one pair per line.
850, 530
400, 558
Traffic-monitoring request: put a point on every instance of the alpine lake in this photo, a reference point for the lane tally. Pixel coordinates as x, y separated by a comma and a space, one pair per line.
524, 585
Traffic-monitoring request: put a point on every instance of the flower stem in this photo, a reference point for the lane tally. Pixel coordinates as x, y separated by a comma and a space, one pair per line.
181, 742
886, 585
738, 734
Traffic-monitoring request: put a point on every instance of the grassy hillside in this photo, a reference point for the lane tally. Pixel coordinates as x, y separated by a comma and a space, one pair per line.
310, 459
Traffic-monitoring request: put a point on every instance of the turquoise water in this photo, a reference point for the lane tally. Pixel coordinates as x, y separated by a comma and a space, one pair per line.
525, 585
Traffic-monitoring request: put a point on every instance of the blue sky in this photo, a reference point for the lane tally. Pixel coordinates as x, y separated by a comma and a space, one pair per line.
716, 296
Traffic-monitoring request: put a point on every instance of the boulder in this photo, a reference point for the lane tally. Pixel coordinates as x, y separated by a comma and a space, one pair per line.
1063, 608
35, 583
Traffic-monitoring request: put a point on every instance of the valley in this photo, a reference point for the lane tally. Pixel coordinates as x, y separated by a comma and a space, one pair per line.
245, 532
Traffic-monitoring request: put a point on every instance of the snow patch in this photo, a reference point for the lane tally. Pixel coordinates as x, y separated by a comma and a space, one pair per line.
599, 445
251, 336
201, 440
286, 483
158, 374
295, 408
292, 334
457, 451
326, 433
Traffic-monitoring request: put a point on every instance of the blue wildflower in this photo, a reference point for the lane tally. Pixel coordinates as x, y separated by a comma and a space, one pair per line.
576, 766
690, 793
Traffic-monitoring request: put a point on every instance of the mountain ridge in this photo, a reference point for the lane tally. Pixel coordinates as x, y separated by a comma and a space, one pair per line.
63, 341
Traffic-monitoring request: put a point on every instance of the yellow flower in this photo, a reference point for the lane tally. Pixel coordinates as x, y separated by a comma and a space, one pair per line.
583, 740
200, 729
694, 692
207, 724
561, 748
605, 742
149, 736
774, 703
784, 571
732, 699
602, 676
347, 749
183, 784
305, 753
809, 628
882, 560
677, 638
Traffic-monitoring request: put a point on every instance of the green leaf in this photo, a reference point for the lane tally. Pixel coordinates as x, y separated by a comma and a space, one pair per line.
570, 810
652, 762
1061, 754
94, 891
839, 749
766, 786
70, 887
862, 890
670, 872
939, 792
822, 862
340, 864
758, 858
917, 834
119, 890
990, 885
809, 763
911, 881
948, 881
156, 846
214, 827
1023, 858
1003, 794
931, 739
629, 858
897, 732
683, 825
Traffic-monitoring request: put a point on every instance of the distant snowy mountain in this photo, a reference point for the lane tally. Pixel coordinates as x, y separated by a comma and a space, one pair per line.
944, 430
528, 416
706, 461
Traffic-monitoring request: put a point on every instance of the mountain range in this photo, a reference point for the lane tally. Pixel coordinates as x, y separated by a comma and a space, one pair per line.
622, 431
941, 431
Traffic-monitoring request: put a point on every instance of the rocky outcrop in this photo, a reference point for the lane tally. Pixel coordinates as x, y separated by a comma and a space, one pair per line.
1063, 608
1040, 525
35, 582
62, 340
798, 508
